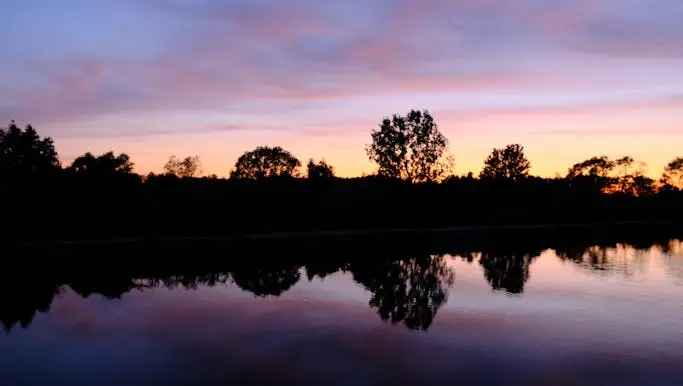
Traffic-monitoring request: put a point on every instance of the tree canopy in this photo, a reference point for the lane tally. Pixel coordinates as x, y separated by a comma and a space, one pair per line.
410, 148
673, 173
265, 162
103, 165
320, 170
593, 167
508, 163
188, 167
23, 153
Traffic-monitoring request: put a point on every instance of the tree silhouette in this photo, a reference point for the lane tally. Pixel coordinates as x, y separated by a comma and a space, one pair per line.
23, 153
636, 185
104, 165
626, 163
410, 148
188, 167
508, 163
594, 167
593, 174
611, 176
319, 171
673, 173
265, 162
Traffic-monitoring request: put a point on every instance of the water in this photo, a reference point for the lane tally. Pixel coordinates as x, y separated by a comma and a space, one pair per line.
590, 315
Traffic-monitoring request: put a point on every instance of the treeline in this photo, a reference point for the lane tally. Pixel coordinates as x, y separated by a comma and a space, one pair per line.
100, 196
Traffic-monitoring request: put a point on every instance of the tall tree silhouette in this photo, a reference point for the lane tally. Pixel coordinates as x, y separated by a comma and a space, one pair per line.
264, 162
410, 148
508, 163
24, 154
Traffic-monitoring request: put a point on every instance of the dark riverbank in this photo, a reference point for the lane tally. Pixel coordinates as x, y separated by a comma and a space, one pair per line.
71, 208
287, 246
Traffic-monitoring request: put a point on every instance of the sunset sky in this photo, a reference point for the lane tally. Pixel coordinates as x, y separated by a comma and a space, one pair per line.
152, 78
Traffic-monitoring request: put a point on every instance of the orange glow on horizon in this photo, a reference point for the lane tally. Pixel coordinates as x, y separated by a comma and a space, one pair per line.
554, 140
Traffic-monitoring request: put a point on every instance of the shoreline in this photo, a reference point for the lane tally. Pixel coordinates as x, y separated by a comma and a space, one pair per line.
351, 234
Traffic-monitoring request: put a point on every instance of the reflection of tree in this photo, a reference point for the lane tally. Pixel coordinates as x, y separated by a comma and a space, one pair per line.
187, 280
409, 291
507, 271
673, 264
21, 302
324, 268
111, 287
613, 258
266, 280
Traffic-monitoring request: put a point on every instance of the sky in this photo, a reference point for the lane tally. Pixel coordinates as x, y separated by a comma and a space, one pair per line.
154, 78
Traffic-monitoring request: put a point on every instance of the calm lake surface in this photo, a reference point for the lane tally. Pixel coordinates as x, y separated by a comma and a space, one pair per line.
573, 315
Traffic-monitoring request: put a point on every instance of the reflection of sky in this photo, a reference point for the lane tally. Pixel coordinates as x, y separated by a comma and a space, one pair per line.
215, 78
571, 324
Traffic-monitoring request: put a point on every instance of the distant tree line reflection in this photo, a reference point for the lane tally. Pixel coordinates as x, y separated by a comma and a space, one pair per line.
407, 285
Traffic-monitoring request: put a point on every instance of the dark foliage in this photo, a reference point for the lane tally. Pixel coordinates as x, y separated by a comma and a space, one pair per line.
265, 162
23, 154
319, 171
187, 167
673, 174
105, 165
410, 148
99, 197
507, 164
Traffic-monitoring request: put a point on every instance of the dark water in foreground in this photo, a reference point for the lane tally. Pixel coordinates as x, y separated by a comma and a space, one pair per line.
591, 315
